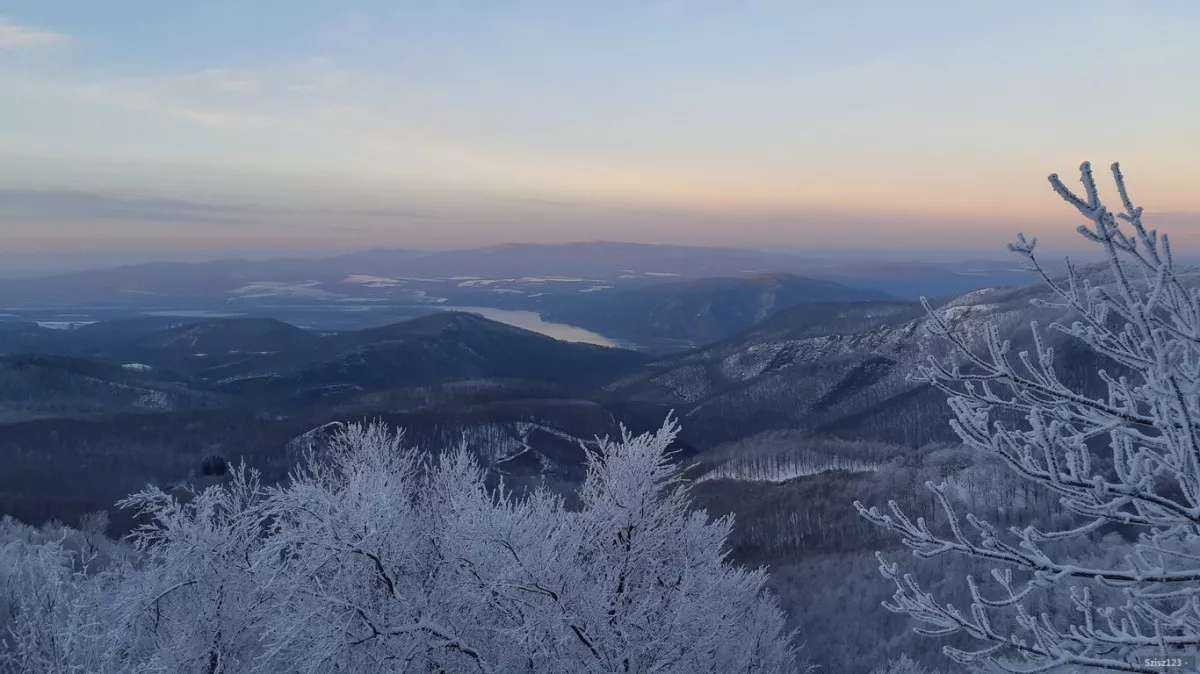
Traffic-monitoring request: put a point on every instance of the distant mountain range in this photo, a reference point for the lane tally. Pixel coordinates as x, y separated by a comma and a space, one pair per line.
512, 275
777, 351
751, 347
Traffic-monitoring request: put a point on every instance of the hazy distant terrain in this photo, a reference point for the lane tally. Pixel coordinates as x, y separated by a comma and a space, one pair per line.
792, 389
649, 297
513, 276
786, 352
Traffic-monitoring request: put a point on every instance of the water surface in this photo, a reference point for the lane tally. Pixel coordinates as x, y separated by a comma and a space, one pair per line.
532, 320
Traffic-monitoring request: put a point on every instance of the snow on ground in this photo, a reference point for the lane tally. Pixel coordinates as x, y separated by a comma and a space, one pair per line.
260, 289
137, 367
62, 325
661, 273
782, 469
689, 383
592, 289
463, 278
154, 400
956, 313
509, 291
972, 297
189, 313
422, 296
472, 283
373, 281
550, 279
246, 377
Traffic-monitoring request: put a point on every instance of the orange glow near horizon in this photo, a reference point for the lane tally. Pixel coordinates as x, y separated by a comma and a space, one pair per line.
762, 124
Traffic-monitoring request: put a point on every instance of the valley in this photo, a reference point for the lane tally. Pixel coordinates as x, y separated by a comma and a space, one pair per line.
792, 393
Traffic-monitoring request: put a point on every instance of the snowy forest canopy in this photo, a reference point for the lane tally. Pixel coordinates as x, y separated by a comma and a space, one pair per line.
374, 558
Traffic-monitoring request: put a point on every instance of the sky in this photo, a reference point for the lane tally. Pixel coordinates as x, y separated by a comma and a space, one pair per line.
150, 128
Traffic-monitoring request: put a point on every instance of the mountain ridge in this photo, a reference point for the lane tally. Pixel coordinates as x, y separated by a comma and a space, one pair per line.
694, 312
510, 275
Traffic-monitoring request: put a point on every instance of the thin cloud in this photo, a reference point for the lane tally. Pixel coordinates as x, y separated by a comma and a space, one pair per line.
16, 36
73, 205
387, 213
140, 101
584, 204
227, 99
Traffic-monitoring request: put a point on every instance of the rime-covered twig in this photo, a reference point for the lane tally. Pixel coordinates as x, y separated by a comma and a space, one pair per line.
1146, 321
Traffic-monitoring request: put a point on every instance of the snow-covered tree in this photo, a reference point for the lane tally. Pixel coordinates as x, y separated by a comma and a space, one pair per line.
901, 665
384, 561
375, 557
1126, 462
195, 602
56, 587
51, 610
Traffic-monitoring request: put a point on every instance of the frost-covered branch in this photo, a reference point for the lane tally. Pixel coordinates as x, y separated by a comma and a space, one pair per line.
1144, 320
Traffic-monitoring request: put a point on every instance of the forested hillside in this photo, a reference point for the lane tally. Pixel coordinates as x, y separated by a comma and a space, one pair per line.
279, 521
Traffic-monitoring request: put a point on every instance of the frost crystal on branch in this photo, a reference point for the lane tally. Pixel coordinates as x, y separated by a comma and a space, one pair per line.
1125, 461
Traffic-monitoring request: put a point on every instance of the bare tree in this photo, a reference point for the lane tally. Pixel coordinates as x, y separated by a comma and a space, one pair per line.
1127, 461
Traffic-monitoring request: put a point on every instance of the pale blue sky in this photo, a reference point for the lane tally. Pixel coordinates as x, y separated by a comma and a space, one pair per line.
230, 125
